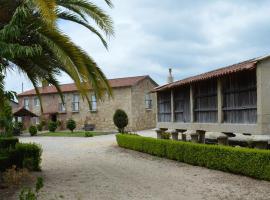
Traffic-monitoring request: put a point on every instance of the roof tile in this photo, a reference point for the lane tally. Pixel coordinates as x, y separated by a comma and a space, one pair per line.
71, 87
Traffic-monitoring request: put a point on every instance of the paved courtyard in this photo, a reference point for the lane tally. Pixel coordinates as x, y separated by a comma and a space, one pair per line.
95, 168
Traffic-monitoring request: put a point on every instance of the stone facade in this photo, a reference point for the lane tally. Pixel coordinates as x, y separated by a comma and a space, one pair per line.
129, 98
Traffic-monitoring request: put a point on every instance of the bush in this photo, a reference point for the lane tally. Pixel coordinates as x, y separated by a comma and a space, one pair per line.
250, 162
165, 136
27, 156
52, 126
33, 130
71, 125
39, 127
120, 120
17, 128
4, 162
88, 134
23, 156
9, 142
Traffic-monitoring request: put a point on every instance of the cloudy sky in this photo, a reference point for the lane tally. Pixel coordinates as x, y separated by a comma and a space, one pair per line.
189, 36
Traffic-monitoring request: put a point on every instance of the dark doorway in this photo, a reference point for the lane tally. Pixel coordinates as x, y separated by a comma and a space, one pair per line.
54, 117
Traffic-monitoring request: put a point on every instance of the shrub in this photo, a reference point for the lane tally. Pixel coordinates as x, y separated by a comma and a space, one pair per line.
26, 156
71, 125
39, 127
52, 126
9, 142
250, 162
120, 120
4, 162
30, 194
33, 130
59, 123
88, 134
17, 128
165, 136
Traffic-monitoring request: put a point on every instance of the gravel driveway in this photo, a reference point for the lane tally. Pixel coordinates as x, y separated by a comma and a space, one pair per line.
95, 168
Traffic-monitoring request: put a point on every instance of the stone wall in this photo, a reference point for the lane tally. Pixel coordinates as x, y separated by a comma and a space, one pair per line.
129, 99
143, 118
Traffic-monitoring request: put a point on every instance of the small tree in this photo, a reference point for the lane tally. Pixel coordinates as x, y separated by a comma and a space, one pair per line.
52, 126
33, 130
71, 125
120, 120
6, 124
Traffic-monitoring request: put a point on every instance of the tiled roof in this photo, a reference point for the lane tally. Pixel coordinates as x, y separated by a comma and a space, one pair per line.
242, 66
114, 83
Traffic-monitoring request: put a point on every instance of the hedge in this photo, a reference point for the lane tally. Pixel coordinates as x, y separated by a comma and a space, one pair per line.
249, 162
23, 156
8, 142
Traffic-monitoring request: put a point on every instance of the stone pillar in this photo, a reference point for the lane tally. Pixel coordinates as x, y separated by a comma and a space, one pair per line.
194, 137
223, 140
263, 96
158, 131
220, 101
184, 137
201, 134
260, 144
191, 105
174, 133
172, 106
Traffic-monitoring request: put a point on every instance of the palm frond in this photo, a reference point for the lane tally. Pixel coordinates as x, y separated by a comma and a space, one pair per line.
74, 18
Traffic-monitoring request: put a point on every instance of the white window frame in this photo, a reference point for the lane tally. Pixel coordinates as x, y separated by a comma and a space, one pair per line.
62, 105
36, 102
26, 105
148, 101
36, 120
75, 103
93, 103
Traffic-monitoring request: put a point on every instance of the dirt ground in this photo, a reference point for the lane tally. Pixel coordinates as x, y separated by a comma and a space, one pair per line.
96, 169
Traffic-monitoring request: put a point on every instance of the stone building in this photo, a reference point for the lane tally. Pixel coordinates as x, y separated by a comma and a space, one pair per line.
233, 99
130, 94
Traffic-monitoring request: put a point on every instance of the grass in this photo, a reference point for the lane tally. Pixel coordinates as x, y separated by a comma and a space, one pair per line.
70, 134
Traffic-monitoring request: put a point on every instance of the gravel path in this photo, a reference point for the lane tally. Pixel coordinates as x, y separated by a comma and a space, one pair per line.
95, 168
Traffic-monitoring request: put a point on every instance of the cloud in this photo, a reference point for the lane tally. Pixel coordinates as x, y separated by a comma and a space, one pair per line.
190, 36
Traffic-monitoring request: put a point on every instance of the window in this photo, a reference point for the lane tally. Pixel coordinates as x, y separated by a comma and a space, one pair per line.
62, 105
26, 103
36, 101
93, 103
148, 101
205, 101
36, 120
164, 106
75, 103
182, 104
240, 98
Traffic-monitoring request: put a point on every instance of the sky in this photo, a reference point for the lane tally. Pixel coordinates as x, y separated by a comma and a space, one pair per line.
191, 37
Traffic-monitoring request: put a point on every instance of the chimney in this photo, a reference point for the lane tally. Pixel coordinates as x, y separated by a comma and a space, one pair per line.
170, 77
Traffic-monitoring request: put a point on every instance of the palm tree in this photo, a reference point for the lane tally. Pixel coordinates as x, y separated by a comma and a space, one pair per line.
31, 42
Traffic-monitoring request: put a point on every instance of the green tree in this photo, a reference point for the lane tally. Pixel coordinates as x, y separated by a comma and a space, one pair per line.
6, 124
120, 120
71, 125
31, 42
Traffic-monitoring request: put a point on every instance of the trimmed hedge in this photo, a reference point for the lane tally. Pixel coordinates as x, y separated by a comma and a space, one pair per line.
249, 162
27, 155
23, 156
8, 142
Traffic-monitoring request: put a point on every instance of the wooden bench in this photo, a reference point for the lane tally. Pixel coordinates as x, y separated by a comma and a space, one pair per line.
89, 127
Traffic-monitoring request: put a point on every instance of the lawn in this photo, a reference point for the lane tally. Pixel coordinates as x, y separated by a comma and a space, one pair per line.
70, 134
